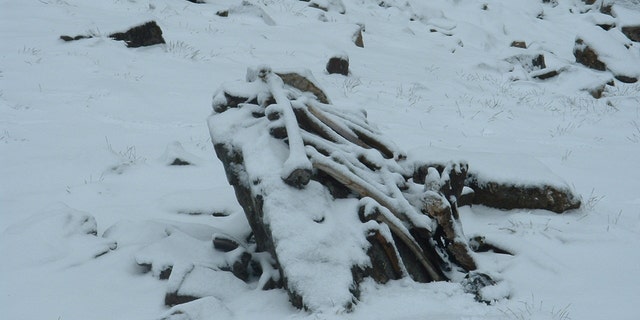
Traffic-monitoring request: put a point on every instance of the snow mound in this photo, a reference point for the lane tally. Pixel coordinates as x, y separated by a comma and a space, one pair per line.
59, 235
208, 308
189, 282
176, 155
179, 248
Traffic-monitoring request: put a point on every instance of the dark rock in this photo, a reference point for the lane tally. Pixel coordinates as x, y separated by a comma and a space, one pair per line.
165, 273
223, 13
606, 9
338, 65
224, 243
143, 35
240, 267
79, 37
298, 178
547, 75
519, 44
180, 162
606, 26
632, 32
197, 1
278, 132
173, 298
509, 196
587, 56
626, 79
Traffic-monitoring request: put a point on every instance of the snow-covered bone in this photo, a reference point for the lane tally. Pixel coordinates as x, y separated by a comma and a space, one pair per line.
365, 210
299, 226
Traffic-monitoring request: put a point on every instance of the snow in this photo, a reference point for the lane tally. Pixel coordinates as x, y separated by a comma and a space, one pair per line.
205, 308
199, 281
84, 126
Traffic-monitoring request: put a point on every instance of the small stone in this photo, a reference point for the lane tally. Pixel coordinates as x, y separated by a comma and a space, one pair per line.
519, 44
626, 79
357, 38
546, 75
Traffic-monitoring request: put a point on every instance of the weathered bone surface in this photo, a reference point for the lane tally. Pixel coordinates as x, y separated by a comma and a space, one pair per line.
331, 200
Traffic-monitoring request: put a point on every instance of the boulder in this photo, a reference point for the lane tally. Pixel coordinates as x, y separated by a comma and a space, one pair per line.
632, 32
143, 35
338, 64
545, 74
587, 56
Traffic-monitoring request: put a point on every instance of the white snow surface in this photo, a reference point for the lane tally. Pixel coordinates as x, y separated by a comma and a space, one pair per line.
84, 127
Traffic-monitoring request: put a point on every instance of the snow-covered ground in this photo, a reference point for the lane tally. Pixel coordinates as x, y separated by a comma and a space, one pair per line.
87, 129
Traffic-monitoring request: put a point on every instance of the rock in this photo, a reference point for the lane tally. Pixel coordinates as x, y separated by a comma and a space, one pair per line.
632, 32
224, 243
523, 182
79, 37
357, 38
519, 44
338, 64
587, 56
143, 35
511, 196
545, 74
626, 79
606, 8
606, 26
